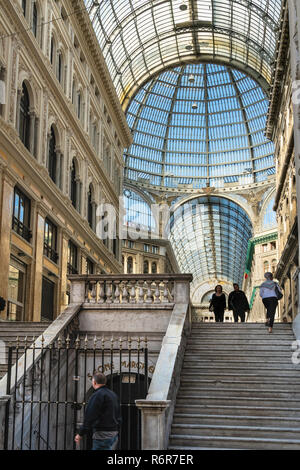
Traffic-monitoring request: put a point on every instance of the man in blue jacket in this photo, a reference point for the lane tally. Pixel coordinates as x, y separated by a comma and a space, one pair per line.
102, 416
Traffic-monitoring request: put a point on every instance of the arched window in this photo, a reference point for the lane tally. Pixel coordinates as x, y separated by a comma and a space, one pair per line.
90, 206
52, 162
34, 19
146, 267
129, 265
273, 266
73, 91
266, 266
79, 104
24, 127
153, 267
73, 185
59, 73
52, 50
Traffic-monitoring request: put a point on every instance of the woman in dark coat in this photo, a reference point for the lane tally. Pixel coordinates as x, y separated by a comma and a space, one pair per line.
218, 303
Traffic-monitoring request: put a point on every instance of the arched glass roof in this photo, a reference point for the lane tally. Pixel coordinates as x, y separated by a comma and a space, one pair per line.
137, 212
210, 236
139, 38
199, 125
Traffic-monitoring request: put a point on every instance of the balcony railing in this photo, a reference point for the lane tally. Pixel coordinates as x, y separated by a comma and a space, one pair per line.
50, 253
21, 229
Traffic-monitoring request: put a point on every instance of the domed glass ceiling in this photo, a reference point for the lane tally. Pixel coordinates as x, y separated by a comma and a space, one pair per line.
210, 236
199, 125
140, 38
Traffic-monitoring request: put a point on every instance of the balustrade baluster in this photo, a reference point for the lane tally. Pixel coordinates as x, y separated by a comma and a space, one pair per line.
93, 294
141, 292
166, 292
117, 292
124, 293
101, 293
149, 297
87, 291
108, 292
132, 298
157, 293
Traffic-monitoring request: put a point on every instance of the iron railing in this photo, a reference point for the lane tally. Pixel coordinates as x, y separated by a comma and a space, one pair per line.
48, 401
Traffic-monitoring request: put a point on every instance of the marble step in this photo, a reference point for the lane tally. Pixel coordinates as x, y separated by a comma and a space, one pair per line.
232, 420
231, 408
241, 392
190, 442
231, 398
214, 430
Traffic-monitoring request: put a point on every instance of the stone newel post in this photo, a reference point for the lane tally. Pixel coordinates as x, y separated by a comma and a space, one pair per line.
153, 423
77, 290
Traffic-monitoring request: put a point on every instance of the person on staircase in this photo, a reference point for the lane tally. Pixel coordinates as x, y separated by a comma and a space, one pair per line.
218, 303
270, 292
238, 303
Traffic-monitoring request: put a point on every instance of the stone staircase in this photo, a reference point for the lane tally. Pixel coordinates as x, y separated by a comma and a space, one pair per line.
239, 389
9, 331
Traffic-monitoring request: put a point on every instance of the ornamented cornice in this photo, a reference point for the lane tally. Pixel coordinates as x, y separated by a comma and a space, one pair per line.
279, 71
93, 46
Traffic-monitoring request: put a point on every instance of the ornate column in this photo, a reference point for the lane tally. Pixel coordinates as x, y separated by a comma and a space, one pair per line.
94, 209
63, 269
41, 213
58, 168
78, 192
31, 131
294, 27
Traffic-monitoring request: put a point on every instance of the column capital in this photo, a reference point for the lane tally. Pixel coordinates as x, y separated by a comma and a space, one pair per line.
8, 175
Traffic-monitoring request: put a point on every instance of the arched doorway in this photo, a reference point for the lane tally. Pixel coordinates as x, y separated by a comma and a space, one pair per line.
129, 387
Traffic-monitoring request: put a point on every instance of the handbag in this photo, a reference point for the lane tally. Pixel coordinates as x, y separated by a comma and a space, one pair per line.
279, 295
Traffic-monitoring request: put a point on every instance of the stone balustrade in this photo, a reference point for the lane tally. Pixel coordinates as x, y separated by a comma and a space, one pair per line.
108, 289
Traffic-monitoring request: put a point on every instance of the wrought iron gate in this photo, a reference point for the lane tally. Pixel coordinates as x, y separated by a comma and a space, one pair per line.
50, 386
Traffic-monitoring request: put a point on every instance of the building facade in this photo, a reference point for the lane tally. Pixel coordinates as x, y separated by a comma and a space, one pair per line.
280, 127
62, 135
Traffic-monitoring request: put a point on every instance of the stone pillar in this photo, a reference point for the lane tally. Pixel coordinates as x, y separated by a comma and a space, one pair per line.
7, 199
38, 263
78, 191
58, 168
63, 269
32, 132
294, 27
4, 400
19, 94
94, 209
36, 139
153, 423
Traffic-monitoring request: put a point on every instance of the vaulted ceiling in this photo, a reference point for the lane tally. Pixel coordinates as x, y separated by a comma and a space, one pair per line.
140, 38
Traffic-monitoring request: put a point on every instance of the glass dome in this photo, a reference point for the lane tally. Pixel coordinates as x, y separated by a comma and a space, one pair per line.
199, 125
209, 236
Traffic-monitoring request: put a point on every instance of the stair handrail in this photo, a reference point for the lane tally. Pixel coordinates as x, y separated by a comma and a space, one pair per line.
158, 407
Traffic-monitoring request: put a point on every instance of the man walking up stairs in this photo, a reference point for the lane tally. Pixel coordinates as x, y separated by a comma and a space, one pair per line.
239, 389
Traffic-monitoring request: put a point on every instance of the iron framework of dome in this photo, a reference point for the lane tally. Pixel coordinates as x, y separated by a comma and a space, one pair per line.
210, 236
199, 125
140, 38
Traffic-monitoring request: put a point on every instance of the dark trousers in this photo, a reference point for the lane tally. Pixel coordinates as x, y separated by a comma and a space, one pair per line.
219, 315
271, 304
237, 314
